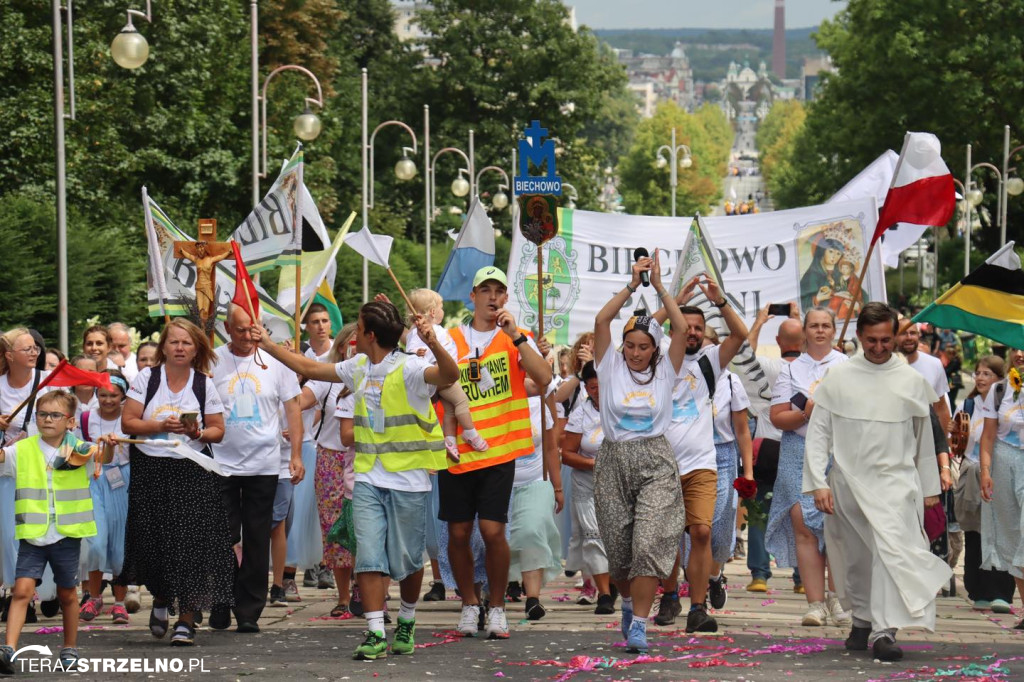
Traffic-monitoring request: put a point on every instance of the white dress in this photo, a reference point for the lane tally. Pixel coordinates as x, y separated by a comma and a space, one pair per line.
874, 421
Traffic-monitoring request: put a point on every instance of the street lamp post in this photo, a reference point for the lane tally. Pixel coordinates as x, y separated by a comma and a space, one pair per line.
674, 163
129, 50
975, 196
573, 196
500, 200
306, 125
405, 169
1011, 186
460, 185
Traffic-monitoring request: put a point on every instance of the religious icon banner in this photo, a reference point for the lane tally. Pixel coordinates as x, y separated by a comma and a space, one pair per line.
809, 255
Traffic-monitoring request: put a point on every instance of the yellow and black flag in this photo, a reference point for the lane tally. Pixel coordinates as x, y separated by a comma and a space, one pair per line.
989, 301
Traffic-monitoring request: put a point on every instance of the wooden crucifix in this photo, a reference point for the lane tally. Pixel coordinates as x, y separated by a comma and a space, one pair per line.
205, 252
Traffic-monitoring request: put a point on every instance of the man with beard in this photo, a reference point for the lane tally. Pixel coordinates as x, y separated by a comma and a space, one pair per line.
691, 435
929, 366
871, 422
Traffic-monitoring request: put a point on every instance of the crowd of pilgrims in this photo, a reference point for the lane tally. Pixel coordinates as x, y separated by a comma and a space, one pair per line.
349, 463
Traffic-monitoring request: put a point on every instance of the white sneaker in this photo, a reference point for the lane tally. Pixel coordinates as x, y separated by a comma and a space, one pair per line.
497, 624
132, 603
469, 622
817, 615
835, 610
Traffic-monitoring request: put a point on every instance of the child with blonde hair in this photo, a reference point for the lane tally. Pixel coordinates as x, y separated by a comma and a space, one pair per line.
456, 405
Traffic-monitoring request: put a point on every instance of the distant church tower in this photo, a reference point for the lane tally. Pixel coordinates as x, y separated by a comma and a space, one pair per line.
779, 42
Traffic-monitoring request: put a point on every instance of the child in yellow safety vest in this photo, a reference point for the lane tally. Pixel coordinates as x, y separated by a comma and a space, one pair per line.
52, 513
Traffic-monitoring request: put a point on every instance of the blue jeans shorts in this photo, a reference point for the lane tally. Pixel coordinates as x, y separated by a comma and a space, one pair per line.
282, 500
390, 530
62, 556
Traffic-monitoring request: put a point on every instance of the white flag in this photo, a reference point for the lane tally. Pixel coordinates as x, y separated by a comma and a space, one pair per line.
375, 248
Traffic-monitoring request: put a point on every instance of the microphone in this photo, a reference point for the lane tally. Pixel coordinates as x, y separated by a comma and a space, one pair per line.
638, 253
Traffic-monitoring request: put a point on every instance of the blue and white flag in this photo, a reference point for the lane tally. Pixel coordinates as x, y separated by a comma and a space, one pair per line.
474, 249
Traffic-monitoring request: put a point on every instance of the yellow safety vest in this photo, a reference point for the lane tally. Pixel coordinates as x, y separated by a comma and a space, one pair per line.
409, 440
71, 499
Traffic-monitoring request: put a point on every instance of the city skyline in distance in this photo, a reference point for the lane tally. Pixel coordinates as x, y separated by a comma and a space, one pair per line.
725, 14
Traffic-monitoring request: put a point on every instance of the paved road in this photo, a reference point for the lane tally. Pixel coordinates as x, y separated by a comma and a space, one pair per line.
760, 639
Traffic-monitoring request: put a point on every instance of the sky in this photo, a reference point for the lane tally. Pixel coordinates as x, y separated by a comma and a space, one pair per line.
700, 13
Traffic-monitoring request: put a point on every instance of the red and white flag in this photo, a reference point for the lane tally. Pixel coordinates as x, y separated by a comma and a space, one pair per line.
921, 194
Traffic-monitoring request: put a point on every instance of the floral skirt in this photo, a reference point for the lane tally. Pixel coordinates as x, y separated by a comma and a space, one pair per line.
334, 480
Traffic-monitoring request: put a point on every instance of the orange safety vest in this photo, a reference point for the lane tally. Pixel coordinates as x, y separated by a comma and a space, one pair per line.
501, 414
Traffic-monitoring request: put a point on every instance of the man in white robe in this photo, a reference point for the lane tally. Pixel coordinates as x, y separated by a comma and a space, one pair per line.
871, 420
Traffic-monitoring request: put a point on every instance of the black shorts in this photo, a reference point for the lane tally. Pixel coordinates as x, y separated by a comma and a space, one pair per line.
483, 493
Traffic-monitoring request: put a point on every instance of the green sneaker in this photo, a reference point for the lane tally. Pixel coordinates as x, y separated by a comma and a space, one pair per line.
404, 642
373, 647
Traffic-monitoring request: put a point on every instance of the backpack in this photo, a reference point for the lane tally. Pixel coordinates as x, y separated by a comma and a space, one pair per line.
198, 390
709, 375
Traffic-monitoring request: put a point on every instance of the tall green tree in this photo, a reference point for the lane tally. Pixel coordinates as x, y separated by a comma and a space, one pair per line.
953, 69
646, 187
494, 67
776, 138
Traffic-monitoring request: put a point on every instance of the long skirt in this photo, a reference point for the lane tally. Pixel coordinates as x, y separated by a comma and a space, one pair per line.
563, 519
305, 540
779, 536
177, 539
333, 483
639, 507
534, 540
587, 548
105, 550
1002, 519
723, 525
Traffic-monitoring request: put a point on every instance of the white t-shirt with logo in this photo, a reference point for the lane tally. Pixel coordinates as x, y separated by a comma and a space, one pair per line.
418, 391
252, 424
692, 432
631, 409
1009, 412
803, 376
166, 404
931, 369
730, 396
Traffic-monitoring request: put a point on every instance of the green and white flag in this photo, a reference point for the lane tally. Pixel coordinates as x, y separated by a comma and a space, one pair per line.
271, 235
172, 280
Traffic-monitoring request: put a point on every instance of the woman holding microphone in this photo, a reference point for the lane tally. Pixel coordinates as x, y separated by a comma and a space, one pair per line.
636, 486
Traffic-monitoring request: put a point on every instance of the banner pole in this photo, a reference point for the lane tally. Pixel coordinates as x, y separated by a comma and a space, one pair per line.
859, 294
540, 335
402, 292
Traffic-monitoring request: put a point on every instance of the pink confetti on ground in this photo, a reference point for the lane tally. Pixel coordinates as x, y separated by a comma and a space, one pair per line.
445, 637
50, 630
766, 602
564, 597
